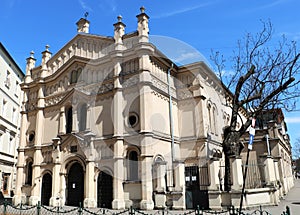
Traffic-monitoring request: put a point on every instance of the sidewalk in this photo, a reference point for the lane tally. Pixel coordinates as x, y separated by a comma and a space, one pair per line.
292, 199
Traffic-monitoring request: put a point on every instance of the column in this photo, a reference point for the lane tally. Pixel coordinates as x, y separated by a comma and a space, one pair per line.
215, 187
214, 171
36, 177
90, 182
160, 189
118, 120
278, 193
118, 176
147, 187
161, 172
269, 170
55, 199
145, 94
37, 156
62, 120
75, 119
179, 182
63, 185
90, 200
237, 173
19, 197
88, 116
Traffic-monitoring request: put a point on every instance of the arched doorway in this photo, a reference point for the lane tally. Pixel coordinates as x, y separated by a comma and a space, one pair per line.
46, 189
105, 190
75, 185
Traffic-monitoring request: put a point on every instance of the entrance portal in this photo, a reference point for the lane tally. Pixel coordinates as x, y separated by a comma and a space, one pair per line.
105, 190
75, 185
196, 187
46, 189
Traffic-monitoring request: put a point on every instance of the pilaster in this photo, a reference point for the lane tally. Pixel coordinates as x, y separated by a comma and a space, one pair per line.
146, 166
179, 182
214, 171
19, 197
62, 120
90, 200
75, 120
145, 94
269, 169
160, 189
118, 176
55, 199
237, 173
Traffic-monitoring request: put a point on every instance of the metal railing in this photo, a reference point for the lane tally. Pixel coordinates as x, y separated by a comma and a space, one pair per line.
9, 209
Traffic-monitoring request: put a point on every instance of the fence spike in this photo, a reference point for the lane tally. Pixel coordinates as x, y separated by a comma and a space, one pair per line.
80, 209
5, 205
38, 207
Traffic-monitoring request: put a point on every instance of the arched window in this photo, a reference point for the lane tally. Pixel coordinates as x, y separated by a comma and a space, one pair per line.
73, 77
214, 115
209, 117
133, 166
82, 119
75, 74
29, 173
69, 120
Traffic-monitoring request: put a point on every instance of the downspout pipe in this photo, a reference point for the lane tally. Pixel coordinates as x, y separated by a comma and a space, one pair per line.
171, 114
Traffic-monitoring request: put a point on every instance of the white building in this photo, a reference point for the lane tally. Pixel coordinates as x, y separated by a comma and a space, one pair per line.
10, 100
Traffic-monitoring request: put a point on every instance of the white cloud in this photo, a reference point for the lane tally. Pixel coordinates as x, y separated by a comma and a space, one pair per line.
104, 4
292, 119
187, 56
273, 4
179, 11
295, 36
84, 5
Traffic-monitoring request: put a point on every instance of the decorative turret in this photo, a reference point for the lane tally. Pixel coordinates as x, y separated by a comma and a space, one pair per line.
119, 30
143, 28
46, 55
29, 66
83, 25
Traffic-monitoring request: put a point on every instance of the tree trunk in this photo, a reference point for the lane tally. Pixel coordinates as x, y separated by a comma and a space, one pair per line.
232, 148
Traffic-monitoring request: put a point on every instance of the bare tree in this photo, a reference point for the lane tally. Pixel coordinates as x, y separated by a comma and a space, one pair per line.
296, 149
262, 76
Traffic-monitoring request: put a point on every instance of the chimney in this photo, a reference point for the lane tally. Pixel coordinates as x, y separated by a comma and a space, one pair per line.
29, 66
119, 30
143, 28
83, 26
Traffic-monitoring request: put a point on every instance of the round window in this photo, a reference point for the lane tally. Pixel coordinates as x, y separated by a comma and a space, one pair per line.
132, 120
31, 136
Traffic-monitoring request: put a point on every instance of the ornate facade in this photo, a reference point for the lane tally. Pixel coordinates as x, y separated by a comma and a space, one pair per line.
112, 122
10, 101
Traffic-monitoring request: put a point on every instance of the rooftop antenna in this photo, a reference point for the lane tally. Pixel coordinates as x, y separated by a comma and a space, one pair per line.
86, 15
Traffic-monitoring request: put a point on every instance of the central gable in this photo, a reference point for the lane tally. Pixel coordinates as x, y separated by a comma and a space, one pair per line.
82, 46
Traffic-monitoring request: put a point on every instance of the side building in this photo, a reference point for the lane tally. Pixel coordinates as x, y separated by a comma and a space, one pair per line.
10, 101
270, 160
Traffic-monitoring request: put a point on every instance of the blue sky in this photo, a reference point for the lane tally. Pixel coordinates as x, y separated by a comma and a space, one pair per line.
202, 24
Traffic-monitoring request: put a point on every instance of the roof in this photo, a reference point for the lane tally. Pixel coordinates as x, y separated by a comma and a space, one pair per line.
11, 59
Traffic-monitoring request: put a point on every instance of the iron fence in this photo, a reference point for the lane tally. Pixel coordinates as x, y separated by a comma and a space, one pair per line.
9, 209
255, 176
